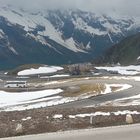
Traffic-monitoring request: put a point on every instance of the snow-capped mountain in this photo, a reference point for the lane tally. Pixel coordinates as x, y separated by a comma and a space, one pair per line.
58, 36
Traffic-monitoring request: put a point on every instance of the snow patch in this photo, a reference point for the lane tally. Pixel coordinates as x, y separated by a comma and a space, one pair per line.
25, 119
120, 86
58, 116
62, 75
125, 112
73, 45
138, 58
123, 70
8, 99
40, 70
82, 25
13, 50
2, 34
135, 78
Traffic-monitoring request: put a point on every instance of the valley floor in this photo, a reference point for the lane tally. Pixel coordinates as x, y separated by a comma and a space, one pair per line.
68, 104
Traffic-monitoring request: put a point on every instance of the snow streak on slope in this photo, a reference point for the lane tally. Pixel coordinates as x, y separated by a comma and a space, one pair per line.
1, 34
80, 24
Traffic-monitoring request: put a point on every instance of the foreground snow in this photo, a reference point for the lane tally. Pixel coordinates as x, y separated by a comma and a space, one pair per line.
123, 70
124, 112
8, 99
40, 70
119, 86
129, 101
135, 78
45, 98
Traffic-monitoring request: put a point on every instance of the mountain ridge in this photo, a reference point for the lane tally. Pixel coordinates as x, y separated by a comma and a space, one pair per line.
126, 52
70, 35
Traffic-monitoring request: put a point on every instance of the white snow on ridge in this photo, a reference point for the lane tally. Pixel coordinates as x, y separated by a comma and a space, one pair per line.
40, 70
123, 70
111, 28
16, 18
82, 25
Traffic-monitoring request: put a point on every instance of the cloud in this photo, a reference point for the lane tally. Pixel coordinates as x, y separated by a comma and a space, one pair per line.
126, 7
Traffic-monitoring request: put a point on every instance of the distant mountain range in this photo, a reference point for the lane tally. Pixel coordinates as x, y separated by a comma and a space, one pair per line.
58, 36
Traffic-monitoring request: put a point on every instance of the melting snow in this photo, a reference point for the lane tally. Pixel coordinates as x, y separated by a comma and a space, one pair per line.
55, 76
28, 118
45, 98
125, 112
58, 116
120, 86
8, 99
40, 70
123, 70
135, 78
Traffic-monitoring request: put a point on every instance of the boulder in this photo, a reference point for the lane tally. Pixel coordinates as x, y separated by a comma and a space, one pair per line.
19, 129
129, 119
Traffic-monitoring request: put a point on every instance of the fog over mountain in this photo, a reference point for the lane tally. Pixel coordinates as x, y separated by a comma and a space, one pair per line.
121, 7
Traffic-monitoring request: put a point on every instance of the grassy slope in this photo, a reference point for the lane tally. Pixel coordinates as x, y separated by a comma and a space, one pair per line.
126, 52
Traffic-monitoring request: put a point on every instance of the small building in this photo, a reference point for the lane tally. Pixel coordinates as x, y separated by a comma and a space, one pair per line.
15, 84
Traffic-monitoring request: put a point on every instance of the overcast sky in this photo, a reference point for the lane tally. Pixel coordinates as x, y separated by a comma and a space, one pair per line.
126, 7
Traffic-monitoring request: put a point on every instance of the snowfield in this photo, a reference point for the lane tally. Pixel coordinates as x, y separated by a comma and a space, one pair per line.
40, 70
123, 70
8, 99
129, 101
37, 99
